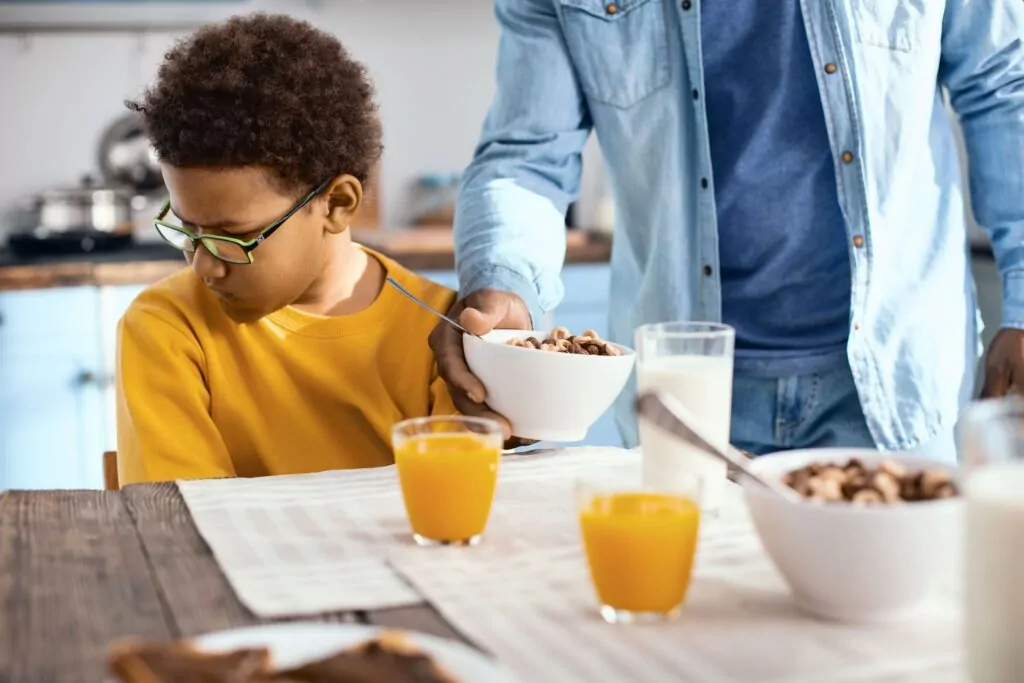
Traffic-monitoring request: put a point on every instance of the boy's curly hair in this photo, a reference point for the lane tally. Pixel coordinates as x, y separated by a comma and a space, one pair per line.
264, 90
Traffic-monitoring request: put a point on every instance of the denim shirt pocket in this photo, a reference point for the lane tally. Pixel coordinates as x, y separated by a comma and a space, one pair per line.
891, 24
619, 48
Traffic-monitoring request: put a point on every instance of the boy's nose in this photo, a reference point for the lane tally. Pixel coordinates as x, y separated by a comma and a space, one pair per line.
208, 267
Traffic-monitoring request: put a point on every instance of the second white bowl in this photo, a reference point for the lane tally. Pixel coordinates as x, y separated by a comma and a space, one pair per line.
852, 563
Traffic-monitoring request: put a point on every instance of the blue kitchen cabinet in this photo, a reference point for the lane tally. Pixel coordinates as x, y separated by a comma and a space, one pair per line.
51, 406
448, 278
113, 302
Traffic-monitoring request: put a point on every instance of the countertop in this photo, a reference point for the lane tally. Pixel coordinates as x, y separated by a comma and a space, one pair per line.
415, 248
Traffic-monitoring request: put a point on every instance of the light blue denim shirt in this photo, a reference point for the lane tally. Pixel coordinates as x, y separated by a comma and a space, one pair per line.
628, 69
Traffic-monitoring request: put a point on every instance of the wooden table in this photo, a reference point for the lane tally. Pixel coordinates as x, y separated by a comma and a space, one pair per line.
80, 569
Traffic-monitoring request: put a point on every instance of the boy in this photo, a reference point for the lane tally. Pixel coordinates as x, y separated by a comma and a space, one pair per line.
281, 349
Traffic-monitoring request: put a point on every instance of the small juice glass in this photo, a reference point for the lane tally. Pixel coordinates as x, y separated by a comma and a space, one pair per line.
448, 469
640, 544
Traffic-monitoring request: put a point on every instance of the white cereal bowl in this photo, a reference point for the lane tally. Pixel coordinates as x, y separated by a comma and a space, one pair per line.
546, 396
853, 563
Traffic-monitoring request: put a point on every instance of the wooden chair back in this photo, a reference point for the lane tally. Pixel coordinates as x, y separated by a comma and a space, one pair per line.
110, 471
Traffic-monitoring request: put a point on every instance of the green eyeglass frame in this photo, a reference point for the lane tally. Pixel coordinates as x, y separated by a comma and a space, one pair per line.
224, 247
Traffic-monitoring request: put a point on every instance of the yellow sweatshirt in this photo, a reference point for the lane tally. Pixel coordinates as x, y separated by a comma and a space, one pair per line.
199, 395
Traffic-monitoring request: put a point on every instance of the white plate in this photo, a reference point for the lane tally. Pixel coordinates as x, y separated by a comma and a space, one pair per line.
297, 643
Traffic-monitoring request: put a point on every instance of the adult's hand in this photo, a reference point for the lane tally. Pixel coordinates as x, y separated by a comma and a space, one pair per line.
480, 312
1004, 364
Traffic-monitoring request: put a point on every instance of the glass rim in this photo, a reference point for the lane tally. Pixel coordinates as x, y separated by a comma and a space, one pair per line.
491, 425
1011, 406
687, 329
595, 484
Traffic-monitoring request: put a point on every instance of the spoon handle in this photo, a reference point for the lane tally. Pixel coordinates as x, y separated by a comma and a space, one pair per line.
412, 297
665, 411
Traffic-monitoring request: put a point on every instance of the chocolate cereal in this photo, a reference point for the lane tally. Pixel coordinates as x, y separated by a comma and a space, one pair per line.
854, 482
560, 341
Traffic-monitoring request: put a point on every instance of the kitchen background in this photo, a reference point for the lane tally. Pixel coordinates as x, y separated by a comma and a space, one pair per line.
65, 70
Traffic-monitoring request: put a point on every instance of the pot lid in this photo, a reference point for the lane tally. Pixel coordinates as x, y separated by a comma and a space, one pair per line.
126, 158
88, 190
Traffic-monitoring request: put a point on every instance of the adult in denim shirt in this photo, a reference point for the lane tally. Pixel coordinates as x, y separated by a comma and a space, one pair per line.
867, 169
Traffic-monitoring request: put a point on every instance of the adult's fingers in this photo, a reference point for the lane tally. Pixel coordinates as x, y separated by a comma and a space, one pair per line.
446, 343
481, 321
996, 384
480, 313
491, 309
998, 366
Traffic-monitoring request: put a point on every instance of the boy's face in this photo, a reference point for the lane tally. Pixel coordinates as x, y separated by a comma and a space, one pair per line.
242, 202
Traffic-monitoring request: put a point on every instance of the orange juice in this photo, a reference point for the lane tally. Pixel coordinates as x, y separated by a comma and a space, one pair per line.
640, 548
448, 483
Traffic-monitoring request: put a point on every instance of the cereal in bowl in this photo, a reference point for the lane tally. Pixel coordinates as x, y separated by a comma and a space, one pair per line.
561, 341
854, 482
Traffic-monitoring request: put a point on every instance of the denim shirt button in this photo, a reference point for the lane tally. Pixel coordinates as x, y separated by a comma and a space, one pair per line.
612, 8
687, 5
831, 68
847, 157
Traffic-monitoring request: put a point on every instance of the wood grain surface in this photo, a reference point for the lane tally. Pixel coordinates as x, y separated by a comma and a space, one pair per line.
73, 578
82, 569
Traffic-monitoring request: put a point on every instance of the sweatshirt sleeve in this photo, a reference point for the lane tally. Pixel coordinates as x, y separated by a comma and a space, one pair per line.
164, 428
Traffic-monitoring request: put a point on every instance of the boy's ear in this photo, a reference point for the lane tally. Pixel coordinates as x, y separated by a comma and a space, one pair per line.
344, 197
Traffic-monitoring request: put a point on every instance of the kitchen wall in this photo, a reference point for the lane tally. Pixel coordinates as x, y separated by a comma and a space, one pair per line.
432, 62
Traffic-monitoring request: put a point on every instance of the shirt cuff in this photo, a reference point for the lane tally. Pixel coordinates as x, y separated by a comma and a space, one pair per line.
510, 281
1013, 300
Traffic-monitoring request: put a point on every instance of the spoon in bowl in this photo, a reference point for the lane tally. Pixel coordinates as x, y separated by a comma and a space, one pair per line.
667, 412
409, 295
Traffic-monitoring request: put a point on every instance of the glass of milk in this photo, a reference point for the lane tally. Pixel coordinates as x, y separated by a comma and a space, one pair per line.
692, 361
993, 451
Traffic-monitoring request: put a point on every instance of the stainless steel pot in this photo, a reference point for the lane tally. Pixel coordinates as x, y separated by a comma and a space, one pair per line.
88, 208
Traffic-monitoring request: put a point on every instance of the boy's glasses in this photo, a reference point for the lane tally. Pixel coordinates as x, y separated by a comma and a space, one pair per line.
224, 247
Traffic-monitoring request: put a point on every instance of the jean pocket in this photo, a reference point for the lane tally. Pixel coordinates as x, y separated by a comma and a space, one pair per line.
892, 24
619, 48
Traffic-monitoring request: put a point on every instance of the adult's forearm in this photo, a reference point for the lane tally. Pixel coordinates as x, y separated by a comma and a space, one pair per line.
510, 238
983, 67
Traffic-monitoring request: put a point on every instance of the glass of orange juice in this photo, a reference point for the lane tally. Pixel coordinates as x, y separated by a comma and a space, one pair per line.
640, 544
448, 469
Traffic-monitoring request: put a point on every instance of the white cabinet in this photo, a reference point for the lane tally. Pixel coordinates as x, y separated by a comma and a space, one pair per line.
51, 406
57, 363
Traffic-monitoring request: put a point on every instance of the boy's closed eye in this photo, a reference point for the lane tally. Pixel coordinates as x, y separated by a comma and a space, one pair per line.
224, 228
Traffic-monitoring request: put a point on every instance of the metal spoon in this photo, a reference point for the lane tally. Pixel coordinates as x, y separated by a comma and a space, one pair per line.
430, 308
665, 411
